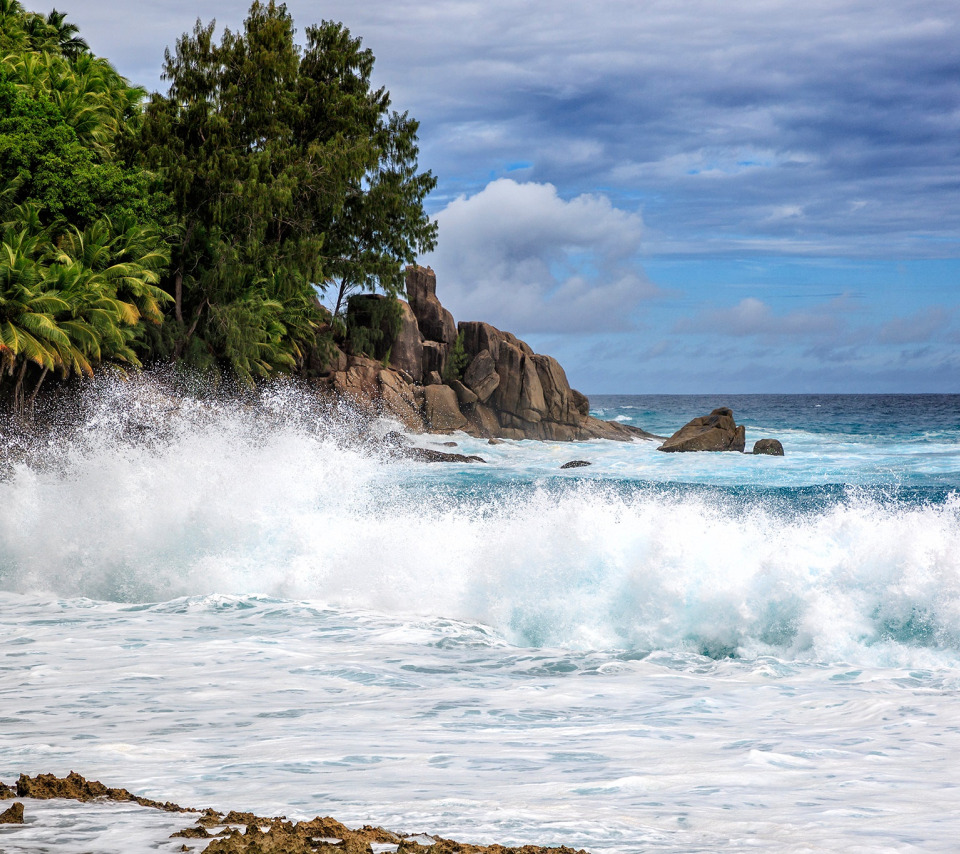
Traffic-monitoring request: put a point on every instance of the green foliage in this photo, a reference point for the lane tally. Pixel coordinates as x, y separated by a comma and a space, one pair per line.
457, 361
267, 173
373, 322
286, 171
80, 251
42, 161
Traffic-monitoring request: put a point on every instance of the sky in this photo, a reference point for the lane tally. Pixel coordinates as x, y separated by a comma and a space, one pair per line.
670, 197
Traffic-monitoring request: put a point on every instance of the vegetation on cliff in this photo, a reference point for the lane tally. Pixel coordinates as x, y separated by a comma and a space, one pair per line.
198, 225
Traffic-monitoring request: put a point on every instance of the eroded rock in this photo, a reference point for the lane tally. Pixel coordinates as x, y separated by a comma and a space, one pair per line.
75, 787
768, 446
406, 354
714, 432
441, 408
13, 814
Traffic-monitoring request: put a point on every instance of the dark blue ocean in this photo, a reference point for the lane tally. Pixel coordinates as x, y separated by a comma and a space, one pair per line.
246, 607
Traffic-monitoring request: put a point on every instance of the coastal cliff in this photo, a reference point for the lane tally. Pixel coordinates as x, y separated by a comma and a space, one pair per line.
438, 376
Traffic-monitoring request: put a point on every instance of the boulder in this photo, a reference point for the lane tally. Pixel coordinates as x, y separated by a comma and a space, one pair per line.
431, 456
434, 357
557, 394
399, 400
768, 446
714, 432
481, 376
581, 403
464, 395
406, 354
359, 382
441, 409
479, 336
435, 322
13, 814
531, 405
483, 420
506, 398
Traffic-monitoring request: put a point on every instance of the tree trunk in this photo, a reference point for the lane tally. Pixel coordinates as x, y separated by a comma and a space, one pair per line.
18, 390
178, 296
33, 397
178, 350
343, 290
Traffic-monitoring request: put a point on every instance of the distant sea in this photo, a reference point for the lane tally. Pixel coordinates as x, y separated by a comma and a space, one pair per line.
244, 607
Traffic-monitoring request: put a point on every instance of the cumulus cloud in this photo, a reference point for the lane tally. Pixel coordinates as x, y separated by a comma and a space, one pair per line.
830, 123
520, 256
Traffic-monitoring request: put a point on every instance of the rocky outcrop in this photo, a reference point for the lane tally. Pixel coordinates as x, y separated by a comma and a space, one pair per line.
523, 395
237, 832
13, 814
429, 455
442, 410
407, 351
714, 432
435, 322
506, 391
772, 447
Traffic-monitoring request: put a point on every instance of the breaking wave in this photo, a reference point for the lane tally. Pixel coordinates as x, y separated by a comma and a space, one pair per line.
148, 497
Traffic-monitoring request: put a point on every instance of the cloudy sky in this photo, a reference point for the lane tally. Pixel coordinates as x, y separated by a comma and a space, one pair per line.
696, 196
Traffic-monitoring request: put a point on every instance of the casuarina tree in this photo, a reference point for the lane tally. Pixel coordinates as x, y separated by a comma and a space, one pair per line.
289, 174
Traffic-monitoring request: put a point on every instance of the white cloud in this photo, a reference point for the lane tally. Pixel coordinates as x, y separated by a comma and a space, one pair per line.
519, 256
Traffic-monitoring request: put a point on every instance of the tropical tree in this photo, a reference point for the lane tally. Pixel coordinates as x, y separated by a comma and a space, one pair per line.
287, 172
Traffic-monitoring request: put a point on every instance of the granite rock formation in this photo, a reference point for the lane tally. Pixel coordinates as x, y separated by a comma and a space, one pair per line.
714, 432
768, 446
506, 391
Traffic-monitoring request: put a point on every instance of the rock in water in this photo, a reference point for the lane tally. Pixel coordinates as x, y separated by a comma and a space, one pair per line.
714, 432
768, 446
429, 455
13, 815
575, 464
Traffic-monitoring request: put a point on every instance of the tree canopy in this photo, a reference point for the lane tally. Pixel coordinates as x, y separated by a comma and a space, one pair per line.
287, 172
200, 224
81, 242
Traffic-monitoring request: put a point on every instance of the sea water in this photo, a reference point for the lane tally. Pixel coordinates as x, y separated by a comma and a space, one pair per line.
249, 605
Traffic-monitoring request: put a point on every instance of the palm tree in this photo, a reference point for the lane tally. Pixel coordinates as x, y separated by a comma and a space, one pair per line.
66, 35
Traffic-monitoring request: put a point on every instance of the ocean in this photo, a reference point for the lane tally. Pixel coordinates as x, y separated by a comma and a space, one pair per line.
246, 606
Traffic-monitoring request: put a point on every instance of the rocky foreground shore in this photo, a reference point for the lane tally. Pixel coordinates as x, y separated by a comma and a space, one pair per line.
246, 833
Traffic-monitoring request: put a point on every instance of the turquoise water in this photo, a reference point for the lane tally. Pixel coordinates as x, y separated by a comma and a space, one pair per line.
253, 607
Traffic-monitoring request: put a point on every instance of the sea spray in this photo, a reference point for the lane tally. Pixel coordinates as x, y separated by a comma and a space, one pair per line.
150, 497
241, 600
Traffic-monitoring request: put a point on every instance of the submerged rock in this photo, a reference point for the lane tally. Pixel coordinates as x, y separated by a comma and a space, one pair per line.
431, 456
768, 446
575, 464
714, 432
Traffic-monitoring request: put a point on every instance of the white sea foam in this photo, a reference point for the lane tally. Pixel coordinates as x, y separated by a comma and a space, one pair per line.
253, 608
217, 498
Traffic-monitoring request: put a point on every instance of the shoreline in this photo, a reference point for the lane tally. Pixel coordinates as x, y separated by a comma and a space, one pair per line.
236, 832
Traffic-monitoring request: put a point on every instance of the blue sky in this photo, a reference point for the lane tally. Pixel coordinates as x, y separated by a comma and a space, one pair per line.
696, 197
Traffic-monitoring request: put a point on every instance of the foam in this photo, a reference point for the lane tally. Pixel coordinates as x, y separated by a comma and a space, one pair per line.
154, 499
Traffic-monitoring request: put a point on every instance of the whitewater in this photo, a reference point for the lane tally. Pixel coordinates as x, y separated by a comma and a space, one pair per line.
250, 604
